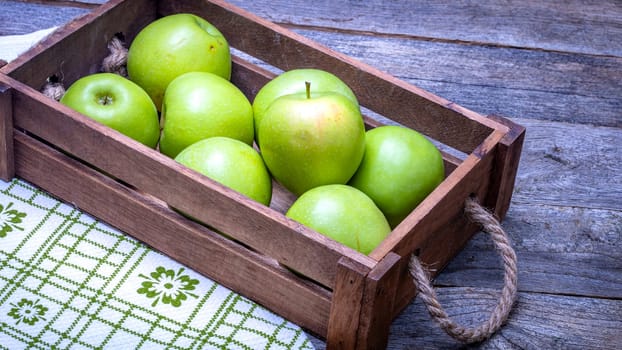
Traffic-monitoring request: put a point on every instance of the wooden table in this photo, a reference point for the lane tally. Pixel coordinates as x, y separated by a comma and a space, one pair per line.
554, 68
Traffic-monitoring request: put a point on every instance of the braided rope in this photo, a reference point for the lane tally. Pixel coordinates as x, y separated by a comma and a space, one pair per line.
116, 61
507, 298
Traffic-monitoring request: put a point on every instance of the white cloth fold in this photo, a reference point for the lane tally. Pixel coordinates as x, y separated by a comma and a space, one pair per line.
11, 46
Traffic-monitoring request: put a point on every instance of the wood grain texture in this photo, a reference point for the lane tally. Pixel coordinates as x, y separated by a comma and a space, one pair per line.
570, 165
346, 305
573, 26
571, 251
380, 287
539, 321
7, 168
496, 80
22, 18
506, 165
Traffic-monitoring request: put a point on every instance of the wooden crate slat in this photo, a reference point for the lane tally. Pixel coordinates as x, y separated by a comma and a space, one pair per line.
266, 230
7, 170
152, 222
375, 318
248, 77
346, 305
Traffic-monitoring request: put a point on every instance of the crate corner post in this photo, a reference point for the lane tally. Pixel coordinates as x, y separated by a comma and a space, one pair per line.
506, 166
345, 309
378, 300
7, 167
361, 299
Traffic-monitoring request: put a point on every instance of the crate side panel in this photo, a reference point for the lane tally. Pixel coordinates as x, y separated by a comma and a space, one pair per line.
152, 222
258, 226
442, 120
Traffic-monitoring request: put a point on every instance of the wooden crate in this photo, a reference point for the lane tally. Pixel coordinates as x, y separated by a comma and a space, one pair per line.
348, 298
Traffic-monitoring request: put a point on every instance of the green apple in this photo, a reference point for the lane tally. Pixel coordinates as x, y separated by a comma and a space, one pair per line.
342, 213
173, 45
232, 163
312, 139
116, 102
198, 105
293, 82
399, 169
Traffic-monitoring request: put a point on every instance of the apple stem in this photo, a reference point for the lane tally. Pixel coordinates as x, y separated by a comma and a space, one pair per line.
308, 86
105, 100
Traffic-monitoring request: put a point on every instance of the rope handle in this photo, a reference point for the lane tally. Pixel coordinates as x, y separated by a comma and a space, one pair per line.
115, 63
500, 313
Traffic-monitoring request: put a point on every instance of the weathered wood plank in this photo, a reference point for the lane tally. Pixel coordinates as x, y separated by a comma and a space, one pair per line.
565, 216
573, 251
539, 321
20, 18
346, 304
507, 161
496, 80
572, 26
380, 287
570, 165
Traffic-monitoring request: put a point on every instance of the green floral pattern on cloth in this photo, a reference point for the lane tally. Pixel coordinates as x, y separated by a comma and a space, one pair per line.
173, 287
28, 311
9, 219
70, 281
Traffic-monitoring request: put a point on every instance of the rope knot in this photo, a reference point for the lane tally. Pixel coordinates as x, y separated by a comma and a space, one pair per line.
53, 90
116, 61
